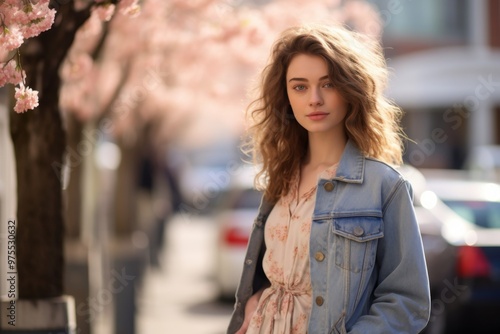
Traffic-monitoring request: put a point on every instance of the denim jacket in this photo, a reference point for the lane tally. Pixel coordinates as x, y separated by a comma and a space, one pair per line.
367, 264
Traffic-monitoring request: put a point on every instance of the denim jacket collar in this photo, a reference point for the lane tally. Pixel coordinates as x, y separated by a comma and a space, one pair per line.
351, 168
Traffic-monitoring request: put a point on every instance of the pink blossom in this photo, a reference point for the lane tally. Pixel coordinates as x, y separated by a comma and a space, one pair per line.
128, 3
47, 20
130, 8
26, 99
105, 12
40, 20
10, 73
29, 19
76, 67
132, 11
88, 31
17, 15
10, 38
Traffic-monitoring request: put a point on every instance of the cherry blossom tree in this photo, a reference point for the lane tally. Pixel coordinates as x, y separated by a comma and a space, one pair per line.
37, 36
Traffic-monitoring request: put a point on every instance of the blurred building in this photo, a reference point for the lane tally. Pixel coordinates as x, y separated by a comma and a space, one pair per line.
445, 62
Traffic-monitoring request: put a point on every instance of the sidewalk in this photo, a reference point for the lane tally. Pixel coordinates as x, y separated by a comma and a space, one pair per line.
180, 297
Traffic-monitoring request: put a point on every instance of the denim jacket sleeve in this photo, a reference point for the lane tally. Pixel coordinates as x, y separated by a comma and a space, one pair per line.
253, 277
398, 294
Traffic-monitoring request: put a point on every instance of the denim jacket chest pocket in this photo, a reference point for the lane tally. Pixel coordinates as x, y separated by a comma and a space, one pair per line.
355, 240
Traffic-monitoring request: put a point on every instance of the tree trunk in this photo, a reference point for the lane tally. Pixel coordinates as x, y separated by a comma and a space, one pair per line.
39, 144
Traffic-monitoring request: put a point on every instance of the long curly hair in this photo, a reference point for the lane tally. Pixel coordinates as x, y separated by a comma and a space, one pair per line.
357, 68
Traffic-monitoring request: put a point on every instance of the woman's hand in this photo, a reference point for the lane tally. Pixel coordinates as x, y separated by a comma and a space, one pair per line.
250, 308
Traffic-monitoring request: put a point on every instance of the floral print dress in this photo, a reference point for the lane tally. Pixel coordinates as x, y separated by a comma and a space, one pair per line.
284, 307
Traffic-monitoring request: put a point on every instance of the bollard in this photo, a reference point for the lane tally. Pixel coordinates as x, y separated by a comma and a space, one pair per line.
38, 316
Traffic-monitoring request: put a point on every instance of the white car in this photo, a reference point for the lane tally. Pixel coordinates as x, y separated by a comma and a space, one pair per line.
235, 211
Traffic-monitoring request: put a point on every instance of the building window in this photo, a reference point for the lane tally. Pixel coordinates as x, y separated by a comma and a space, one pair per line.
435, 140
443, 21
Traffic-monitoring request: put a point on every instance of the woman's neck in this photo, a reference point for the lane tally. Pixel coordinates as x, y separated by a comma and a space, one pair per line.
325, 149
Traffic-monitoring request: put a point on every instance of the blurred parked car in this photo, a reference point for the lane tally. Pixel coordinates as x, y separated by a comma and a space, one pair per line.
235, 211
477, 283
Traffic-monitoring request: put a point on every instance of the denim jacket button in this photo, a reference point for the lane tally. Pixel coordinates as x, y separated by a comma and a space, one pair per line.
358, 231
328, 186
319, 300
319, 256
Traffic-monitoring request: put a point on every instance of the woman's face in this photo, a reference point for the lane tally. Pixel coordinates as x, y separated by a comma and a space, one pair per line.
316, 103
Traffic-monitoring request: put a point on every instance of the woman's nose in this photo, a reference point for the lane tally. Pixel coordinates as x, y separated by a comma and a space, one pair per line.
316, 99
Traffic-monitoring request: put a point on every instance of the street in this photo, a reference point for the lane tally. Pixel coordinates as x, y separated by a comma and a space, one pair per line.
180, 297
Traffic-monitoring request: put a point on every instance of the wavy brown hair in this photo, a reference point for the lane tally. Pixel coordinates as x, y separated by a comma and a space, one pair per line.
357, 68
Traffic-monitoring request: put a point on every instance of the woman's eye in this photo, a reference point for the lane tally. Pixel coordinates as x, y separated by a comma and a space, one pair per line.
299, 87
328, 85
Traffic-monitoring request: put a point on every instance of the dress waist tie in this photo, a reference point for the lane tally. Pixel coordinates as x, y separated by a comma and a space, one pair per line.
281, 292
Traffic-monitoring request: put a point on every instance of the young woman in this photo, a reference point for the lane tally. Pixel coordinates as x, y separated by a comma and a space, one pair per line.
335, 247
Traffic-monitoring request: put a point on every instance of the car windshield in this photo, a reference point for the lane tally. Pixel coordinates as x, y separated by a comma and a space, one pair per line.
481, 213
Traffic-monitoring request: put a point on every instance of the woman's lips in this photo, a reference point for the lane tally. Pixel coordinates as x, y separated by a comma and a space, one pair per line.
317, 116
